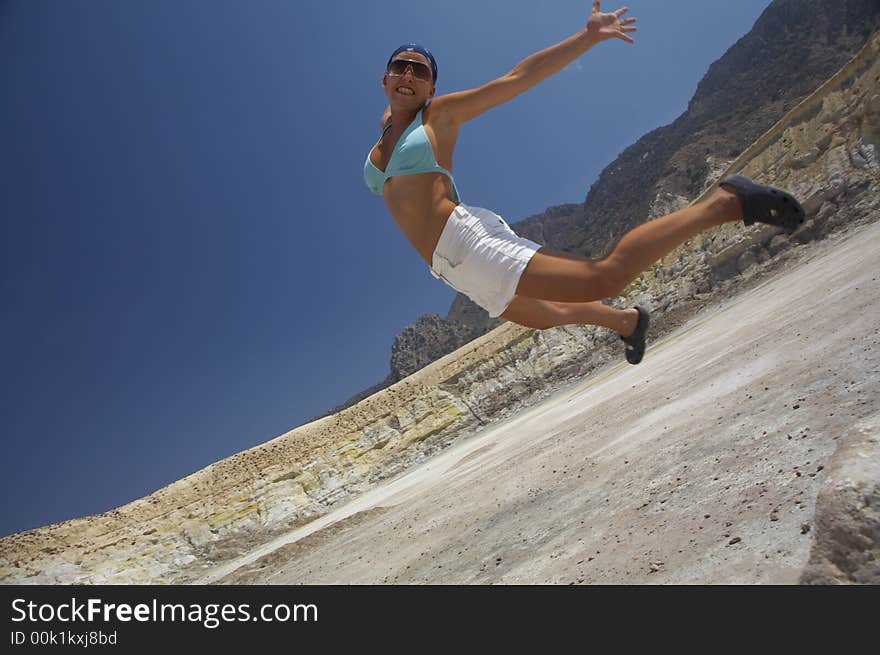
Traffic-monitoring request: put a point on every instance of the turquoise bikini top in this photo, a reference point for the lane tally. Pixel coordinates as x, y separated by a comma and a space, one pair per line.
412, 154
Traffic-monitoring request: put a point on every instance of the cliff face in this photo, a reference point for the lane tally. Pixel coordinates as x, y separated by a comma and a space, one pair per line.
827, 150
793, 47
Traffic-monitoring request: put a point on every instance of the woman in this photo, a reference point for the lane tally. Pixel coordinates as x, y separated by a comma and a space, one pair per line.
474, 251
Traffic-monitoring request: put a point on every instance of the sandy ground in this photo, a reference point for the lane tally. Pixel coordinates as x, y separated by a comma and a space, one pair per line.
700, 465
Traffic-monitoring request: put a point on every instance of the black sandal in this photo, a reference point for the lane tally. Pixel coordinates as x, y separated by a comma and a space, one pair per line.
636, 341
765, 204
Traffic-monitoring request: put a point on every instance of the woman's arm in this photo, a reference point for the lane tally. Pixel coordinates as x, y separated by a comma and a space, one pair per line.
463, 106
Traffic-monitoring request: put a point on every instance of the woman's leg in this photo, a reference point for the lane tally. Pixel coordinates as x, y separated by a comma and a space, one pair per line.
544, 314
562, 277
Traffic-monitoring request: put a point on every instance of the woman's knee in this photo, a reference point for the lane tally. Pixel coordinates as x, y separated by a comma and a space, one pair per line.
603, 278
610, 278
564, 277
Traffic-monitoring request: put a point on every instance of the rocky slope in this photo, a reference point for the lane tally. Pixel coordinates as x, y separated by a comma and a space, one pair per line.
825, 149
793, 47
745, 449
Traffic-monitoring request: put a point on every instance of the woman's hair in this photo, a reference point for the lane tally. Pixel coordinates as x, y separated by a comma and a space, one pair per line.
415, 47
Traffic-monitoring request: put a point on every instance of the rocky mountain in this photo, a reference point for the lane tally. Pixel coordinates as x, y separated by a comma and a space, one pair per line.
794, 46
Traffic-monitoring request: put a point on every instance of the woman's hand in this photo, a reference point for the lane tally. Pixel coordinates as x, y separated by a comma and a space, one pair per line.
610, 26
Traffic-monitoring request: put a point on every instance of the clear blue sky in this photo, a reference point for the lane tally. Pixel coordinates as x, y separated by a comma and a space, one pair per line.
190, 261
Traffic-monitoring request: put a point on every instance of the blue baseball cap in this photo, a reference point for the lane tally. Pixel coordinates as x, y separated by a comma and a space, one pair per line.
415, 47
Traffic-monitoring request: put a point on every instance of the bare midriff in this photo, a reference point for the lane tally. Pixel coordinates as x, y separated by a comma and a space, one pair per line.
421, 203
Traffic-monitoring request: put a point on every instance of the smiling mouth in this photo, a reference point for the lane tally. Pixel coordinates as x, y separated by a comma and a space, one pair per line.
403, 91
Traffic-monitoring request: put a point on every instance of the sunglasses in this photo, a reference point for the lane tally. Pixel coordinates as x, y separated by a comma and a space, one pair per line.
420, 71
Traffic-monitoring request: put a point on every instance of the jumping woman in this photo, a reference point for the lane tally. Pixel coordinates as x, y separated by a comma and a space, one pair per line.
473, 249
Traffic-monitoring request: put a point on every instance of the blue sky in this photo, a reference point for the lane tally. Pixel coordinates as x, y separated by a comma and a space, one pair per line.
191, 263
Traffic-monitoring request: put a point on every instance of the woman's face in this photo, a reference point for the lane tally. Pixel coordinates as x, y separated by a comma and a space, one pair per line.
407, 90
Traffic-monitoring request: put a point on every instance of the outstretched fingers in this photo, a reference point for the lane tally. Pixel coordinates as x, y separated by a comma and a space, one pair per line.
622, 34
626, 25
625, 29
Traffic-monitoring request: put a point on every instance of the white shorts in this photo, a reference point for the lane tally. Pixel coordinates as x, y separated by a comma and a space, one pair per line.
480, 256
